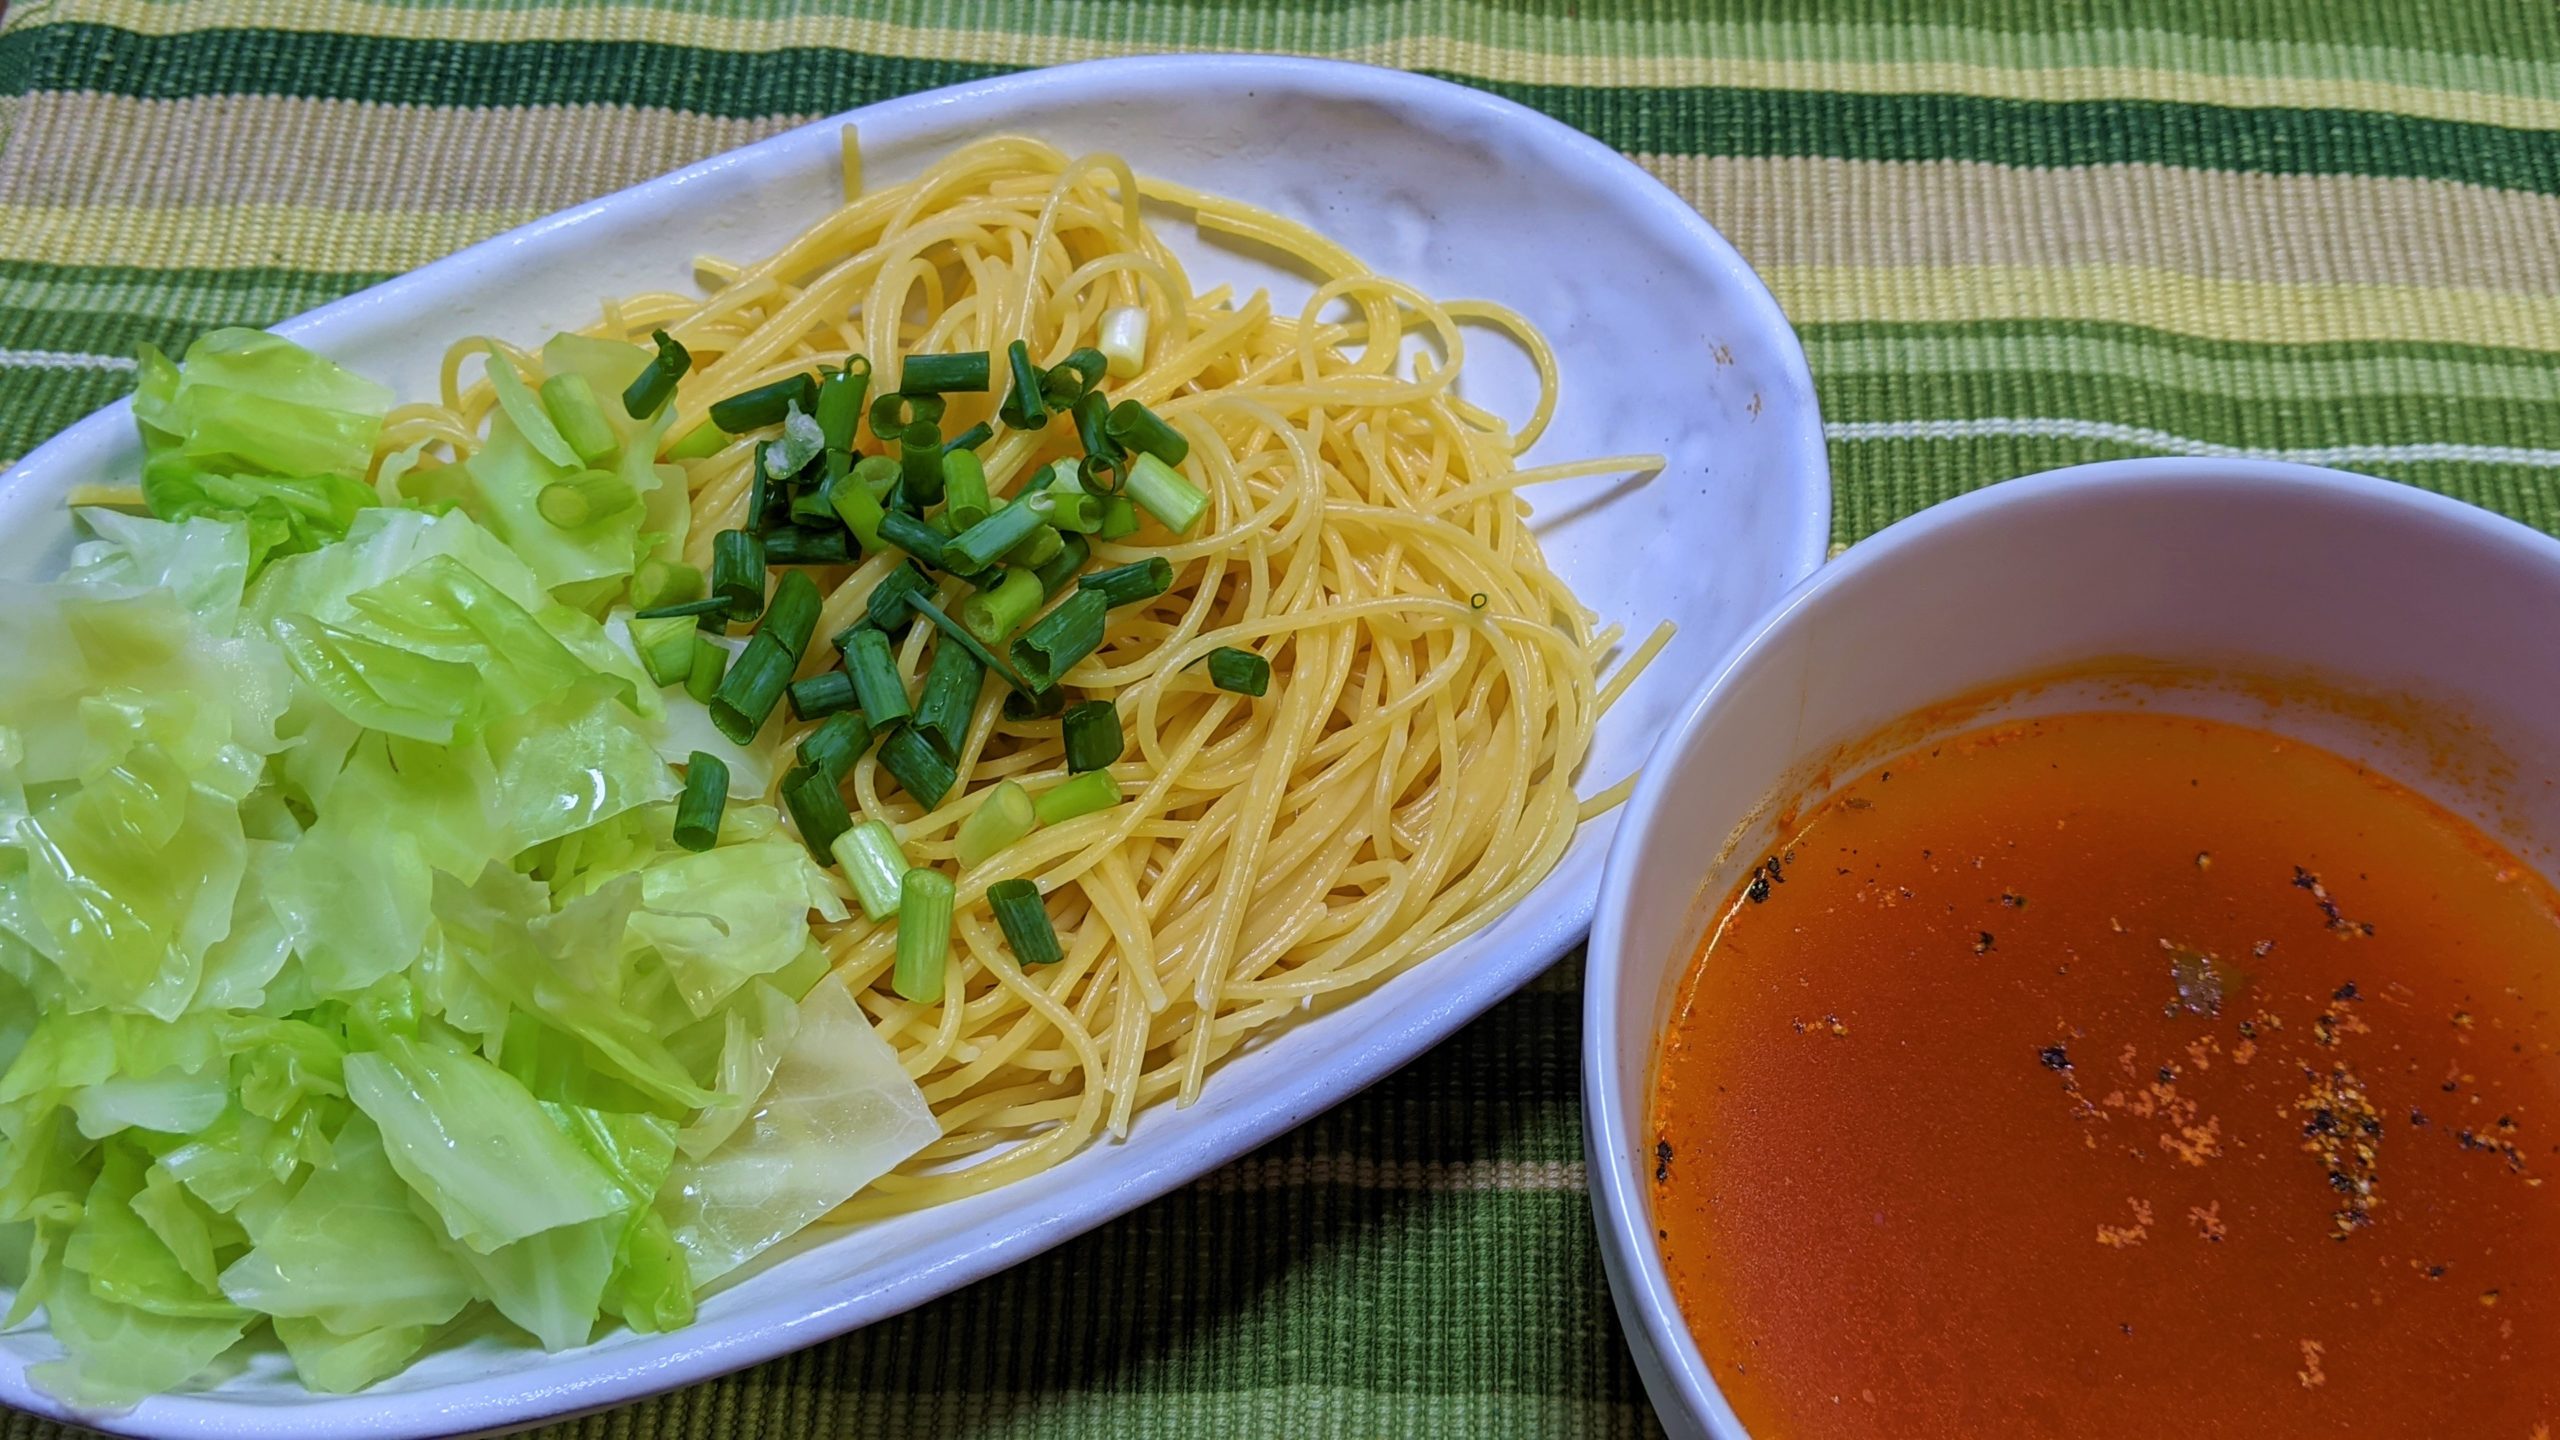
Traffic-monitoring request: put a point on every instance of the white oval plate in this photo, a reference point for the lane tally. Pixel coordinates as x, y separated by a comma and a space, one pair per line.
1668, 342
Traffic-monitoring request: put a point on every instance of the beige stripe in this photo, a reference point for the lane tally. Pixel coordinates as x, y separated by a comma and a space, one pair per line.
1639, 61
81, 149
2282, 229
298, 237
1361, 1172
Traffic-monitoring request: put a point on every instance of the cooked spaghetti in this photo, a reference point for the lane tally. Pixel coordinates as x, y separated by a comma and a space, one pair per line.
1407, 774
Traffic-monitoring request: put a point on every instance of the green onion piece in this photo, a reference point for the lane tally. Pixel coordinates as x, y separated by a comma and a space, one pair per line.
1024, 409
1093, 428
710, 666
992, 615
877, 474
699, 442
960, 636
1124, 340
1090, 793
895, 412
855, 505
906, 532
660, 581
835, 745
572, 403
665, 644
964, 488
982, 544
924, 935
792, 617
920, 466
1035, 704
737, 572
1071, 510
839, 408
889, 604
1127, 584
1165, 495
1038, 548
971, 438
688, 609
918, 766
706, 795
1142, 429
948, 698
935, 374
765, 404
652, 386
874, 865
814, 508
1073, 551
829, 692
802, 545
1072, 378
759, 489
1004, 816
1092, 734
1024, 918
584, 498
1051, 647
817, 809
752, 688
875, 679
1098, 476
1240, 671
1119, 519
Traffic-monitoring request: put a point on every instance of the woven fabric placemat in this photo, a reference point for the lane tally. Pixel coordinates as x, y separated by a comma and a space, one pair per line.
2015, 234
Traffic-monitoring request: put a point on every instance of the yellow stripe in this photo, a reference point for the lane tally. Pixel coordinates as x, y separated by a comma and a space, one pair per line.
299, 237
2216, 309
1637, 66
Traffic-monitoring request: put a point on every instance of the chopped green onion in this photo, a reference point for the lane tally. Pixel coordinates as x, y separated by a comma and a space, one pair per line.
1072, 378
1092, 735
665, 644
992, 615
1024, 918
1024, 409
1142, 429
888, 605
572, 403
652, 386
1003, 817
920, 465
964, 488
584, 498
1165, 495
840, 402
792, 617
877, 474
1240, 671
829, 692
814, 509
924, 935
855, 505
1035, 704
906, 532
934, 374
982, 544
817, 807
1119, 519
752, 688
895, 412
971, 438
1089, 793
1093, 428
874, 865
919, 768
1038, 548
948, 698
960, 636
531, 420
1058, 569
1127, 584
706, 795
1071, 510
699, 442
710, 666
765, 404
835, 745
710, 605
875, 679
802, 545
1051, 647
661, 581
759, 491
737, 572
1096, 475
1124, 340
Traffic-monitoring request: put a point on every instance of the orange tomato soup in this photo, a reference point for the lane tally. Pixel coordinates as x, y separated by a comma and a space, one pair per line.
2123, 1075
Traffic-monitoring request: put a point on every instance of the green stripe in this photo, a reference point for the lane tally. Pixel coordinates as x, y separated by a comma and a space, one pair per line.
2198, 414
35, 404
1665, 121
208, 296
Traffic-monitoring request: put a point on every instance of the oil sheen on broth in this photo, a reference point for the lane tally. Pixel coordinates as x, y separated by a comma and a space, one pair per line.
2120, 1075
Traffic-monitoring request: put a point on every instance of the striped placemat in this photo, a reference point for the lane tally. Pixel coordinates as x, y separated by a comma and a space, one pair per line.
2014, 233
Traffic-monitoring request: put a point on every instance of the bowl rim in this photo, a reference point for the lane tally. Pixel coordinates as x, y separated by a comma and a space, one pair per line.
1675, 1373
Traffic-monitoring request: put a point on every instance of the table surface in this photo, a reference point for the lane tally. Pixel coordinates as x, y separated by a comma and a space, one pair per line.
2015, 234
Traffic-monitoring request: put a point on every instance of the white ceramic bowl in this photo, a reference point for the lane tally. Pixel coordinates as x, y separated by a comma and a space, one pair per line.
1667, 343
2359, 589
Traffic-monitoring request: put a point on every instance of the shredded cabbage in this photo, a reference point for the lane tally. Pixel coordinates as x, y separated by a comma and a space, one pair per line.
351, 980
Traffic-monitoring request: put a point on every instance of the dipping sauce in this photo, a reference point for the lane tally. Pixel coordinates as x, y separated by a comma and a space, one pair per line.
2123, 1075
